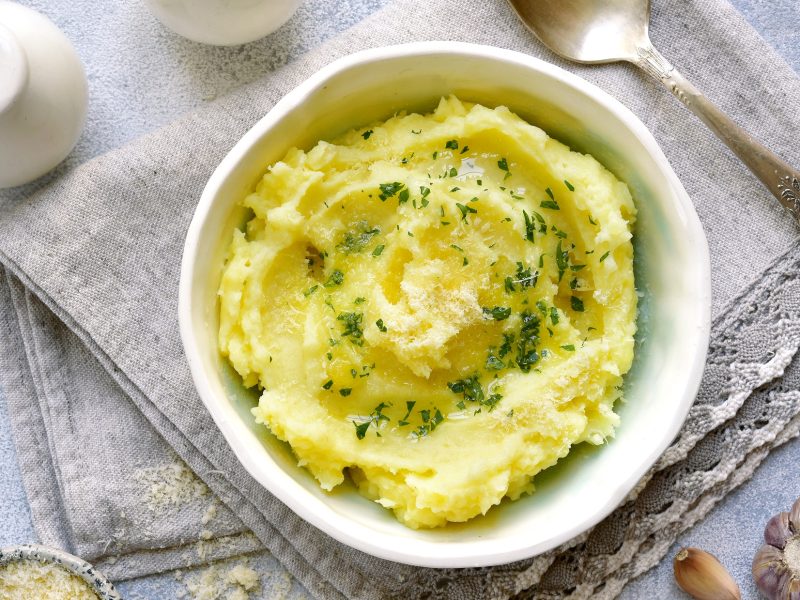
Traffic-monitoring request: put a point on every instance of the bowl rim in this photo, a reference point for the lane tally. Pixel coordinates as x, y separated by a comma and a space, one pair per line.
98, 582
289, 495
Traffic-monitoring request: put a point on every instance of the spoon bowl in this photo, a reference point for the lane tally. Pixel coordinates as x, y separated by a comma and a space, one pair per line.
588, 31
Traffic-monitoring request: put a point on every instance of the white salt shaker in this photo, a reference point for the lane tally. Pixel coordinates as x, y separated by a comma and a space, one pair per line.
223, 22
43, 95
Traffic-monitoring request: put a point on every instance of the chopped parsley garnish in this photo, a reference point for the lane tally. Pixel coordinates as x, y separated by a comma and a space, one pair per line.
402, 197
465, 262
345, 391
459, 248
568, 347
570, 187
509, 283
540, 219
552, 204
542, 307
554, 315
528, 338
592, 220
465, 210
576, 268
508, 340
562, 260
452, 145
377, 412
464, 150
435, 154
498, 313
424, 191
366, 134
409, 407
359, 300
493, 363
361, 429
469, 387
471, 390
390, 189
352, 327
549, 192
605, 256
428, 423
416, 131
379, 324
503, 164
453, 172
525, 277
529, 226
328, 384
573, 283
577, 304
336, 278
378, 249
357, 239
310, 291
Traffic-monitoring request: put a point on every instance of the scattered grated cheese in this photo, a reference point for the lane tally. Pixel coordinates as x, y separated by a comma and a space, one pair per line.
169, 486
211, 512
237, 583
243, 576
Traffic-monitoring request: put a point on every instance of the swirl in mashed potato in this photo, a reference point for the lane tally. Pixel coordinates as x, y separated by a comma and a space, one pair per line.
441, 305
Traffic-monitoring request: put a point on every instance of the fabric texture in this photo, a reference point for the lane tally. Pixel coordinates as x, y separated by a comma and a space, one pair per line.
107, 422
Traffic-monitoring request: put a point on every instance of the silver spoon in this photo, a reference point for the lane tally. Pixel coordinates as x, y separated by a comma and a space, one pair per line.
598, 31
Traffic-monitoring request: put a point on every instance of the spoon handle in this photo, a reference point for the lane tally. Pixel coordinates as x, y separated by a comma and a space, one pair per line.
779, 177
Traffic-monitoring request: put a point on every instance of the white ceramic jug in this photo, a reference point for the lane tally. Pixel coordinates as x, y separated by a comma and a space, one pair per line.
43, 95
223, 22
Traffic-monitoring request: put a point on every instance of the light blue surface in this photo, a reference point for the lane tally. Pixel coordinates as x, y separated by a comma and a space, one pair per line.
732, 530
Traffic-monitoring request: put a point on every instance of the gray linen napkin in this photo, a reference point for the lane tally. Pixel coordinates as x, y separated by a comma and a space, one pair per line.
92, 263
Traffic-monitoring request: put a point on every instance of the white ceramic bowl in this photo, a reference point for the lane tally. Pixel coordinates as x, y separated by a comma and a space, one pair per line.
672, 271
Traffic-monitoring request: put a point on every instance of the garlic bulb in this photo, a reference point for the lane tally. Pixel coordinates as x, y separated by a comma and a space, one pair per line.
703, 577
776, 565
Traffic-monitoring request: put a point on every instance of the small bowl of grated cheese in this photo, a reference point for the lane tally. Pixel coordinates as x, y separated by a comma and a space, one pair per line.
32, 571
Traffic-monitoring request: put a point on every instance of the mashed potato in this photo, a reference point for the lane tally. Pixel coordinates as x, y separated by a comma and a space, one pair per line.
440, 305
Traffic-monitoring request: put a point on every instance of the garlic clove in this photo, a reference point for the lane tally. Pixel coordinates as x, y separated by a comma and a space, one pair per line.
703, 577
777, 531
794, 517
769, 571
790, 589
